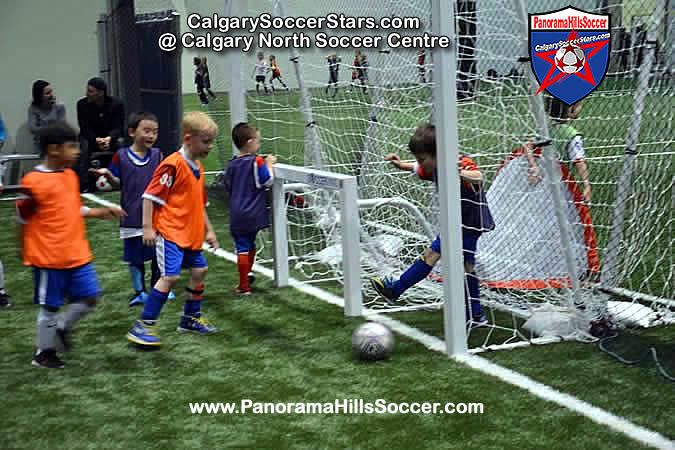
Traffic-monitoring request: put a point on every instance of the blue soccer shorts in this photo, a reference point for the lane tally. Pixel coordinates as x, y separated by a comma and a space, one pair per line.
469, 245
244, 243
53, 286
171, 258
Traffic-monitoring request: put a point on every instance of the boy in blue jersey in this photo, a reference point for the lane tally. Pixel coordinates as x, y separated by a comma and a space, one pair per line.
246, 178
131, 169
476, 219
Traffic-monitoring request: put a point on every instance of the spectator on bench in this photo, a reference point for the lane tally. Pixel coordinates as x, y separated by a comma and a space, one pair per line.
42, 110
101, 121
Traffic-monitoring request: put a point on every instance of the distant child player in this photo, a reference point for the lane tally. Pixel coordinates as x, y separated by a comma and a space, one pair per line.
356, 64
260, 70
53, 241
206, 78
362, 72
476, 219
568, 142
199, 80
131, 169
276, 73
246, 177
176, 223
333, 68
421, 67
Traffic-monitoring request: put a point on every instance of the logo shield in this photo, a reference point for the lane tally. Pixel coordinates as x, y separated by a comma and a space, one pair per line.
569, 51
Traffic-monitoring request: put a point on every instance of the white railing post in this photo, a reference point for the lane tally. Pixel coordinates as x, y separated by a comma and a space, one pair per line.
279, 233
351, 248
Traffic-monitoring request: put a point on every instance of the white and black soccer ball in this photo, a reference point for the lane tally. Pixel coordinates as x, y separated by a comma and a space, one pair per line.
103, 185
570, 59
372, 341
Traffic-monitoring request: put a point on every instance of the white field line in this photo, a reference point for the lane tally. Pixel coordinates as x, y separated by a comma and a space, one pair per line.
597, 415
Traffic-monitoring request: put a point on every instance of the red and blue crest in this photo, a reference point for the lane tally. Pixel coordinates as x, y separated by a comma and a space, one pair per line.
569, 51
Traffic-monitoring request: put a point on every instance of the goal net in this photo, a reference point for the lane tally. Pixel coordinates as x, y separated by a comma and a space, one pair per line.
609, 256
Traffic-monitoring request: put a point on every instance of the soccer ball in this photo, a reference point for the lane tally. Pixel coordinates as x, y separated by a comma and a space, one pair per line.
570, 59
372, 341
103, 185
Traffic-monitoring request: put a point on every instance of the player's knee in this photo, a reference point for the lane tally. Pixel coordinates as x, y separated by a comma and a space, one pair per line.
468, 267
199, 273
170, 280
430, 257
91, 302
50, 309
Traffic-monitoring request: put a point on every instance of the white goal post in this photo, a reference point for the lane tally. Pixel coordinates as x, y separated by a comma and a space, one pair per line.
348, 219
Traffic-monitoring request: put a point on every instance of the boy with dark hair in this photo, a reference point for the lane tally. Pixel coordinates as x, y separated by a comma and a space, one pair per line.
476, 219
175, 221
206, 77
199, 80
363, 72
246, 178
131, 169
53, 241
333, 69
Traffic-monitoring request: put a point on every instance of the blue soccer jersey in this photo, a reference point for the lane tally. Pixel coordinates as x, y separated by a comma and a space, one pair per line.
245, 180
134, 174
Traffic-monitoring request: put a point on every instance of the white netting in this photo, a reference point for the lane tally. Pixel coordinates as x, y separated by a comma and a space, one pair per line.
522, 262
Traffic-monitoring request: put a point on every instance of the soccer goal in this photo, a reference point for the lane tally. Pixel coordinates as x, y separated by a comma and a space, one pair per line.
330, 200
554, 258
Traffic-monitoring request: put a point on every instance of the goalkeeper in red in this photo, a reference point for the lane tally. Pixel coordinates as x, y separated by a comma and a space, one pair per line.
476, 219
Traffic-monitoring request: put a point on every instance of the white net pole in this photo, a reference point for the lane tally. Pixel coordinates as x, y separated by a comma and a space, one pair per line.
445, 114
237, 99
609, 275
312, 140
550, 165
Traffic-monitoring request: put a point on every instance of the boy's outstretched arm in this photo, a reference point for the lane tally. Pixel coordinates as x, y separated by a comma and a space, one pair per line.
532, 169
270, 161
149, 234
103, 213
582, 169
396, 162
469, 171
25, 209
210, 236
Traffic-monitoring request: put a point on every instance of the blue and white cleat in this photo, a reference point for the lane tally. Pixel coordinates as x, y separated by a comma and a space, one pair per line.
198, 324
138, 299
385, 288
144, 333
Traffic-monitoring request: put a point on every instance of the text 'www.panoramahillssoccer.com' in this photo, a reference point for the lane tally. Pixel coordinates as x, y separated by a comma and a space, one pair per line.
338, 406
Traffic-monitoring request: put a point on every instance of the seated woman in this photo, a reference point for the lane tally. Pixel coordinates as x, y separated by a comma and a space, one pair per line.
43, 109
